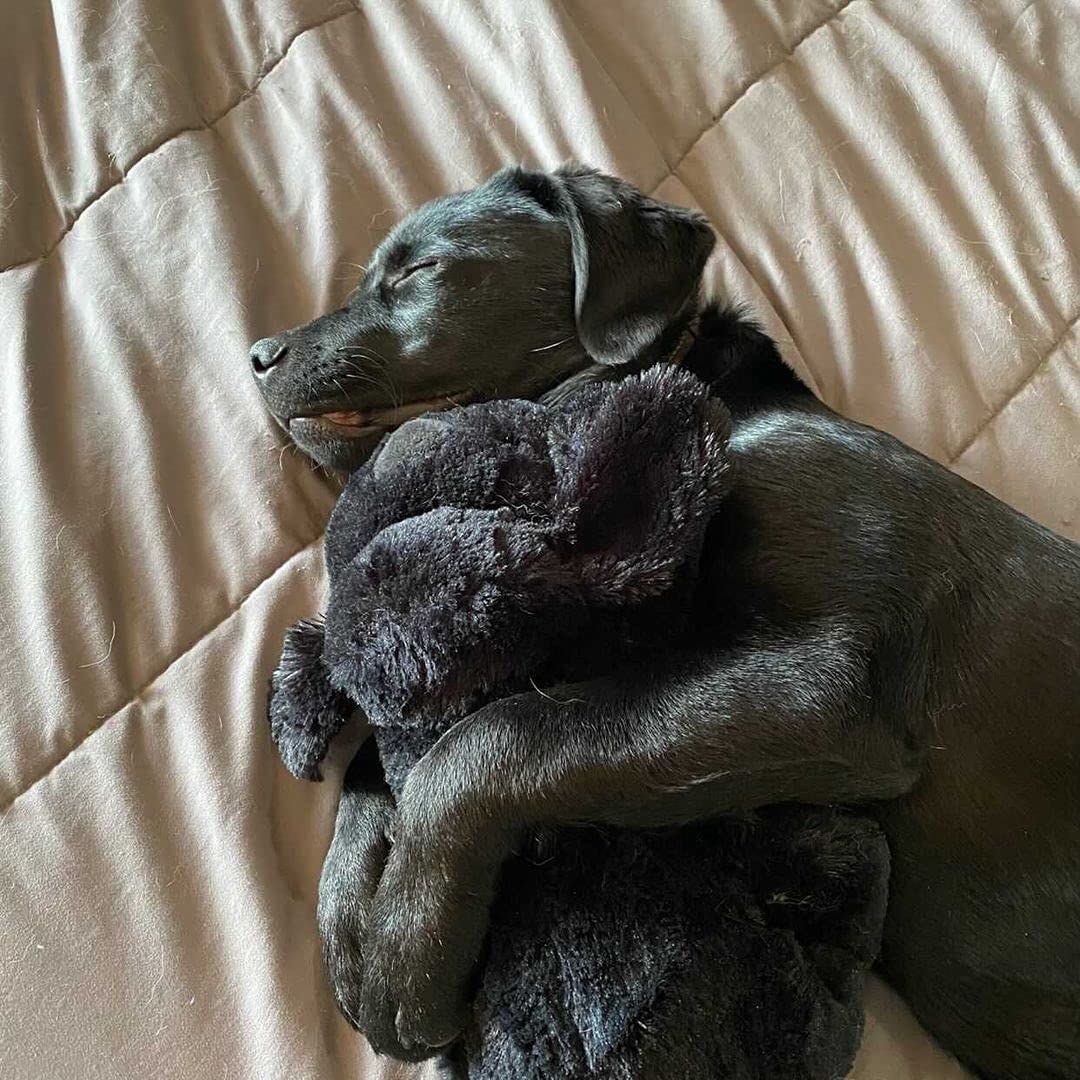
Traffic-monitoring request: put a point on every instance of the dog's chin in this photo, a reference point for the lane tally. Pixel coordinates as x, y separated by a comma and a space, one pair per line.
333, 448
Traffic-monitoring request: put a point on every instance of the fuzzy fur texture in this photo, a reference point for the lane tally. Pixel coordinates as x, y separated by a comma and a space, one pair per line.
306, 712
511, 542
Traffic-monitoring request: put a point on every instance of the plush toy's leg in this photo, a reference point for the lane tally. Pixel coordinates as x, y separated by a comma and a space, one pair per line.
305, 711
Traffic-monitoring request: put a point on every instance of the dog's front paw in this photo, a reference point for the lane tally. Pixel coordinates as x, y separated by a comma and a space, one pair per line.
427, 928
366, 822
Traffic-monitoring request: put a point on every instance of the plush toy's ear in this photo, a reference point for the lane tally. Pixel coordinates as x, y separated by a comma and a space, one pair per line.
646, 467
305, 711
637, 262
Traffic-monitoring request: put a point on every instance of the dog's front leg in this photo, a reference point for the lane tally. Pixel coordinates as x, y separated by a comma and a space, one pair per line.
426, 930
363, 833
683, 738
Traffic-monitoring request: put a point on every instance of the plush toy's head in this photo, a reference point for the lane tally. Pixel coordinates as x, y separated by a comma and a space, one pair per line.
478, 537
478, 540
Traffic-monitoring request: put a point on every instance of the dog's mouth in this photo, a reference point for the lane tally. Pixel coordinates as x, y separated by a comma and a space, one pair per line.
364, 423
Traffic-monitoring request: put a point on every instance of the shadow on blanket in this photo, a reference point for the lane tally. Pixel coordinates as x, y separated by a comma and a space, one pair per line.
509, 542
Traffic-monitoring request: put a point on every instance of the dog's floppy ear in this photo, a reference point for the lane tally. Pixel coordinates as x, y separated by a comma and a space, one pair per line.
637, 262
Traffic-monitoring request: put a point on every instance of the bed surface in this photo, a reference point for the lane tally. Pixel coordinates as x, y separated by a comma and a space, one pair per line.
895, 188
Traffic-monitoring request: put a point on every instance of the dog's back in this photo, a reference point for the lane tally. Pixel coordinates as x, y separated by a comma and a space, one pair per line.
972, 614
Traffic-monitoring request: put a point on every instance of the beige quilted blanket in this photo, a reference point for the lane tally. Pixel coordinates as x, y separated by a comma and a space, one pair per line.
895, 184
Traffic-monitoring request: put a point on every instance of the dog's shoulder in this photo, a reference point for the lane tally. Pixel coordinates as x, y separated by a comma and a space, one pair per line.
740, 362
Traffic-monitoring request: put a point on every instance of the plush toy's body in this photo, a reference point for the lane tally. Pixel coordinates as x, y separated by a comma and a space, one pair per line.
507, 544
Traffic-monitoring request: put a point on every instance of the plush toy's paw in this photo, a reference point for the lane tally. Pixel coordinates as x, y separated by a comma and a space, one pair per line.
305, 711
410, 443
427, 928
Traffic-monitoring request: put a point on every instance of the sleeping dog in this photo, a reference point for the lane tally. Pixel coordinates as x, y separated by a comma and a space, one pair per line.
869, 629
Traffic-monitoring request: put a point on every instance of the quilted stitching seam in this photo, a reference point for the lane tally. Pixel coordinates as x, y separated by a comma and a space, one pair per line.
619, 90
267, 69
149, 684
1016, 391
761, 76
756, 80
789, 342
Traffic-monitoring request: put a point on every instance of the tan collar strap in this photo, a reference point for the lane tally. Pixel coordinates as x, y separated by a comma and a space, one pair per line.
683, 345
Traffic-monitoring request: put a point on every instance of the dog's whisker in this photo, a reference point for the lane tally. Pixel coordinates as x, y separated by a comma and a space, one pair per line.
382, 379
361, 350
553, 345
378, 376
361, 377
351, 363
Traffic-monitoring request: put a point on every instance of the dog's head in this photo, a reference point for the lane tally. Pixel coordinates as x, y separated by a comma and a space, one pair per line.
504, 291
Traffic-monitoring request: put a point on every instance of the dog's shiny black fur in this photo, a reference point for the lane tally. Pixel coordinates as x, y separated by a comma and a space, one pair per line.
870, 629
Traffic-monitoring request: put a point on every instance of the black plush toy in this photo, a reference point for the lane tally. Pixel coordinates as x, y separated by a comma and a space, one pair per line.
509, 543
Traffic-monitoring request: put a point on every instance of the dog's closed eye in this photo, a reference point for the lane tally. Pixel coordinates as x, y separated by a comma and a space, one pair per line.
404, 275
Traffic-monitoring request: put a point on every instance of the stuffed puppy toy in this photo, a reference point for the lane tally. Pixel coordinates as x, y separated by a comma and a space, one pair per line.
510, 543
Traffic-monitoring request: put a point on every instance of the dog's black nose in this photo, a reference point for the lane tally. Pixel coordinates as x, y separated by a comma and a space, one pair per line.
266, 353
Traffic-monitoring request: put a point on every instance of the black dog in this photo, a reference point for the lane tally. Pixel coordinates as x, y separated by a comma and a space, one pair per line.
870, 627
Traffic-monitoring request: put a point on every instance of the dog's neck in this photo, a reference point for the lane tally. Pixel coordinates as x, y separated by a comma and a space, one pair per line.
672, 347
674, 343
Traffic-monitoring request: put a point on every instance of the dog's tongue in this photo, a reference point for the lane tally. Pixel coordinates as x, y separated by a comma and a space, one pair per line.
346, 419
394, 416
